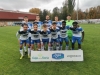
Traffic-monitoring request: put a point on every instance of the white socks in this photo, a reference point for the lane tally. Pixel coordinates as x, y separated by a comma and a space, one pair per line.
39, 49
57, 48
67, 47
42, 48
25, 49
29, 51
49, 48
61, 47
21, 52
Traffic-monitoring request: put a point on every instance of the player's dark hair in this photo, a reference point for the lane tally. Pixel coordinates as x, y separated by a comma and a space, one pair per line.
37, 15
24, 24
25, 16
54, 23
69, 15
47, 15
56, 16
35, 22
44, 25
44, 22
75, 23
63, 21
35, 25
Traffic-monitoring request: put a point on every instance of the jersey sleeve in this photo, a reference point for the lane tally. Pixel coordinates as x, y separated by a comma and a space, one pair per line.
18, 35
82, 30
49, 32
58, 29
79, 29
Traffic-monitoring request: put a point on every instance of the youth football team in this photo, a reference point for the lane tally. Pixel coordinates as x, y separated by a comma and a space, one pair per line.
48, 35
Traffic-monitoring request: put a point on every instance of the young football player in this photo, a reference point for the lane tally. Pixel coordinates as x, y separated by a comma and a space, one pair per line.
29, 27
35, 37
48, 22
23, 35
69, 23
57, 21
78, 35
39, 23
45, 37
54, 36
58, 25
63, 35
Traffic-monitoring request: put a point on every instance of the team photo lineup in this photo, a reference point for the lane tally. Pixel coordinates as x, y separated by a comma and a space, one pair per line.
49, 35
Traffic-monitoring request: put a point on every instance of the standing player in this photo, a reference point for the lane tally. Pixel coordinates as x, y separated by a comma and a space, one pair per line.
27, 22
39, 23
58, 25
69, 22
48, 21
63, 35
29, 27
78, 35
45, 37
23, 35
54, 36
57, 21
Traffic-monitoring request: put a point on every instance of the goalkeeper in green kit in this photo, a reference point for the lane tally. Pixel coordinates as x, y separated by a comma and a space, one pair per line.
69, 22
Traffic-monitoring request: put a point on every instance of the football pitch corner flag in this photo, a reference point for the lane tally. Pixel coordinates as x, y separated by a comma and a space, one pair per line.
48, 56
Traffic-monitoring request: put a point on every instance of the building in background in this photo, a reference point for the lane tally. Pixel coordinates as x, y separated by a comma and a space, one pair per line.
9, 17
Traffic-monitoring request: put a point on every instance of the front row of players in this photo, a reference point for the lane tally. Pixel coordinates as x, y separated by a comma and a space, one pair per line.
53, 37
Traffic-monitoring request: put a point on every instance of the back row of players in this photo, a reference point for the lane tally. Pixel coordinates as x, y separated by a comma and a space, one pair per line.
51, 33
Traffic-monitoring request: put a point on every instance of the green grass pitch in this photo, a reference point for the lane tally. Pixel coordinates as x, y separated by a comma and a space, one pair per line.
10, 64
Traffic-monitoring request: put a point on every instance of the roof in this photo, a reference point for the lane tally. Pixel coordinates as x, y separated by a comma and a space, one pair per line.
15, 15
17, 11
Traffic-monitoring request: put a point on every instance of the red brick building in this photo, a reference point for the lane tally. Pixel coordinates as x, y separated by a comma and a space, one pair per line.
8, 16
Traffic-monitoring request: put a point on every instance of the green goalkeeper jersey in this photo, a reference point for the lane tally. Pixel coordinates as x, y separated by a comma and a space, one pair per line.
69, 23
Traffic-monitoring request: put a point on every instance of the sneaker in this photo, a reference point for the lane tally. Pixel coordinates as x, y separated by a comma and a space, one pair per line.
79, 49
28, 56
21, 57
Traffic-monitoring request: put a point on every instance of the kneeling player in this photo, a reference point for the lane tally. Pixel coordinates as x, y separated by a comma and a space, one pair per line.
23, 35
77, 31
35, 37
63, 35
45, 37
54, 36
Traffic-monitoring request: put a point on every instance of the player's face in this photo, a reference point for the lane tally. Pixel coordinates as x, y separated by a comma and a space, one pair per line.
45, 28
63, 24
54, 26
68, 17
56, 18
75, 26
37, 18
47, 17
26, 19
35, 28
25, 27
